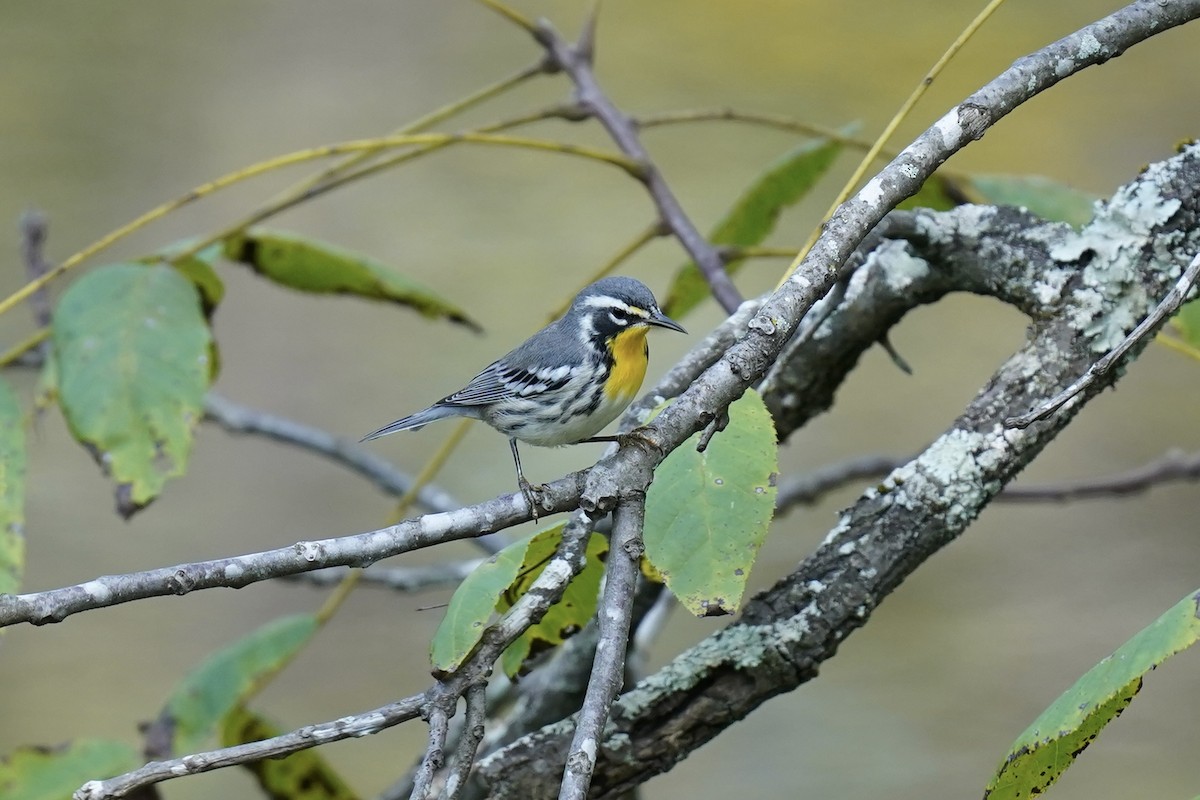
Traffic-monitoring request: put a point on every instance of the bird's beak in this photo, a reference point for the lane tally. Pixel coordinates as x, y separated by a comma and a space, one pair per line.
661, 320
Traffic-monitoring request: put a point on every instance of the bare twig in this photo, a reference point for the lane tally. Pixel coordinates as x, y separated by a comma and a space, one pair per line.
398, 579
809, 488
33, 240
575, 62
439, 726
333, 731
360, 550
236, 418
609, 668
1172, 466
468, 742
1169, 305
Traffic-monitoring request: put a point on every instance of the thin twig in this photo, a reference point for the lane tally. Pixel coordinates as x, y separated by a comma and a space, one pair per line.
1169, 305
397, 579
439, 727
359, 550
575, 62
901, 114
468, 741
1170, 467
608, 670
236, 418
33, 241
336, 730
662, 118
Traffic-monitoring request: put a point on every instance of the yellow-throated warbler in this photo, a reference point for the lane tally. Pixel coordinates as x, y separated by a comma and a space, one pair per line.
568, 380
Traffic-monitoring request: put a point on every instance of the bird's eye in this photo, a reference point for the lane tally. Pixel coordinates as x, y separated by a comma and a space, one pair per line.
619, 317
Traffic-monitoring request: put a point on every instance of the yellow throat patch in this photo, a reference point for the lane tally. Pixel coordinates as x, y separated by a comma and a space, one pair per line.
629, 353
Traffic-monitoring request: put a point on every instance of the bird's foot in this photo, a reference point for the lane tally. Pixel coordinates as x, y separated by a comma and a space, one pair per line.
532, 495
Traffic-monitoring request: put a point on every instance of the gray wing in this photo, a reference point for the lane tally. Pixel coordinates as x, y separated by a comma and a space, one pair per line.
527, 371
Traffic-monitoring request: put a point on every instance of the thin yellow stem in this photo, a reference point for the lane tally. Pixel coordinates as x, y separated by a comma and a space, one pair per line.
917, 93
284, 202
765, 120
741, 251
302, 156
1179, 346
419, 124
20, 348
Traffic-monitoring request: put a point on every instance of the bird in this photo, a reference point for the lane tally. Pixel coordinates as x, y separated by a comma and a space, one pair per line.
564, 383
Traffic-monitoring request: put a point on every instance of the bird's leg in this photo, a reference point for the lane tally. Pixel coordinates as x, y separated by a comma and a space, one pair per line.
531, 494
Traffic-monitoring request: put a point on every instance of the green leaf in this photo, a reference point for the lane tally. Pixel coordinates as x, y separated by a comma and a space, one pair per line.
133, 355
225, 679
303, 775
754, 215
707, 513
323, 268
1057, 737
1048, 199
12, 491
566, 617
44, 773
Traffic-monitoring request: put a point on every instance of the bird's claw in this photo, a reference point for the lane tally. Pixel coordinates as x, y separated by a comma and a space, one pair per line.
532, 495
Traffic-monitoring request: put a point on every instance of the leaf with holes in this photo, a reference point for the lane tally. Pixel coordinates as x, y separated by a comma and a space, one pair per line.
132, 349
53, 773
566, 617
707, 513
310, 265
754, 215
474, 602
12, 491
303, 775
1052, 743
203, 698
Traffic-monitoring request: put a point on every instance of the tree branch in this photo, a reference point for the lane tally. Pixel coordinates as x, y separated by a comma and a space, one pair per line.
239, 419
576, 63
791, 629
608, 671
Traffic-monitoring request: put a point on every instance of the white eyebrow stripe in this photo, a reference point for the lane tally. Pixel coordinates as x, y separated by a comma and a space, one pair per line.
603, 301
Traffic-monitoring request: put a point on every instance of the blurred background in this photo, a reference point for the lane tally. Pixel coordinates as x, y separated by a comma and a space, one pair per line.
110, 109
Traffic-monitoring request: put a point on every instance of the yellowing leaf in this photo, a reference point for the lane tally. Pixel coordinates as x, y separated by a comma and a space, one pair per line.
303, 775
563, 619
707, 513
320, 267
1056, 738
497, 583
132, 349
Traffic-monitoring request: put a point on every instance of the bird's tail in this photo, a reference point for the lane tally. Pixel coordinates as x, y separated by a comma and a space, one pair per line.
416, 421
